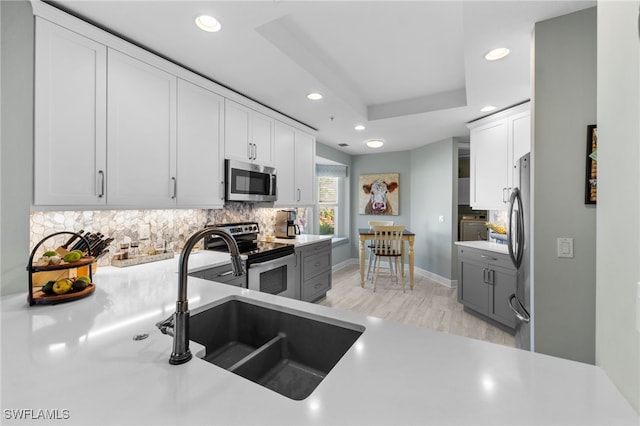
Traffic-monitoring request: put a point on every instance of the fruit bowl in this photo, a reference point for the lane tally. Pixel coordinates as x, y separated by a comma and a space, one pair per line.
42, 298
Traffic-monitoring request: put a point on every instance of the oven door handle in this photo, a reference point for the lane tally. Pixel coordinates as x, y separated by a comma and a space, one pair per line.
271, 264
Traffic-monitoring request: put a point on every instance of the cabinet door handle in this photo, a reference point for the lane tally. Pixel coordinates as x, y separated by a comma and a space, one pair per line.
484, 256
491, 276
249, 150
101, 194
175, 188
222, 190
484, 275
298, 194
255, 151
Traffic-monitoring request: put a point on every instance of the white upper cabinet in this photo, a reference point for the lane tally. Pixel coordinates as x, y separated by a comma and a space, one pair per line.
70, 118
497, 142
284, 145
295, 166
200, 163
141, 134
248, 134
305, 167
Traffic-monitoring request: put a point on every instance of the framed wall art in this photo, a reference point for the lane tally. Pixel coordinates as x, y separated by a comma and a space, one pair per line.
379, 194
591, 180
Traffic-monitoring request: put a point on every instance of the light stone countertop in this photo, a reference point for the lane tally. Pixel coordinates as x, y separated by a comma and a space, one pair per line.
78, 361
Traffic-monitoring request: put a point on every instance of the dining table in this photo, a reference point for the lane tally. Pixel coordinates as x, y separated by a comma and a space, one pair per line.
366, 234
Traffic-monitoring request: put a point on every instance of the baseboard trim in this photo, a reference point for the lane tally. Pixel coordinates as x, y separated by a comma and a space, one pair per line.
427, 274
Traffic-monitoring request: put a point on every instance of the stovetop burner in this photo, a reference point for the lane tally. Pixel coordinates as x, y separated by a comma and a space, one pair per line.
246, 236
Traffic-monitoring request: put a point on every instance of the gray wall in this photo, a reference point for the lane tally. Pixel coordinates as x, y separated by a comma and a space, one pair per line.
564, 103
16, 143
342, 252
618, 273
434, 193
392, 162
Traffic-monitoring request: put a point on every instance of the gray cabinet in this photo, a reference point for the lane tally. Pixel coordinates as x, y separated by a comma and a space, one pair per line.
314, 270
486, 279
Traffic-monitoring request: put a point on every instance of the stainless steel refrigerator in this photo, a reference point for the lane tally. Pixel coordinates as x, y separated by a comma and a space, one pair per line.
519, 245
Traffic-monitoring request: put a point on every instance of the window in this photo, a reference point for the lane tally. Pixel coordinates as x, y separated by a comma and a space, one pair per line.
328, 205
332, 211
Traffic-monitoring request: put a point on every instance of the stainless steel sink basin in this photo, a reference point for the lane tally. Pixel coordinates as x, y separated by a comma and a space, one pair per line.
287, 351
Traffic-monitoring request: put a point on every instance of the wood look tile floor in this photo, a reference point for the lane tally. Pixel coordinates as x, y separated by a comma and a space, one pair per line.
429, 304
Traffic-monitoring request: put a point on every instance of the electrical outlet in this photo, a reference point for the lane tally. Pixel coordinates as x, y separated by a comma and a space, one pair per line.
144, 233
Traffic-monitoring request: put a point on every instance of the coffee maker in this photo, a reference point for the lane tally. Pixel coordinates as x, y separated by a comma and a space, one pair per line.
285, 224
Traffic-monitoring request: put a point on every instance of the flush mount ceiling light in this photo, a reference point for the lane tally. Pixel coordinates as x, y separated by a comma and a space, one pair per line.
314, 96
359, 127
496, 54
375, 143
487, 108
208, 23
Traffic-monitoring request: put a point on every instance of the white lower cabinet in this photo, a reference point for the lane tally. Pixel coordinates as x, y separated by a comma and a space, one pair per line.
141, 116
70, 118
199, 164
295, 166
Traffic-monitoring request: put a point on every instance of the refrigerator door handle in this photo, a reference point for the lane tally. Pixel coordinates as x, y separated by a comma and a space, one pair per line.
524, 317
516, 255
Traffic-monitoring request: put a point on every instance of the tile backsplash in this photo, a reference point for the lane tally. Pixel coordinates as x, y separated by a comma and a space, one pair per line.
172, 227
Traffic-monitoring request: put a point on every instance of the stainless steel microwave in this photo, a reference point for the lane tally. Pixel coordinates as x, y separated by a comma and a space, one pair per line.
249, 182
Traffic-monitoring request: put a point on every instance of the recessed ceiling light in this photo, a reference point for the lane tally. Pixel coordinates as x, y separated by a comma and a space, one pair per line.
375, 143
314, 96
487, 108
496, 54
359, 127
208, 23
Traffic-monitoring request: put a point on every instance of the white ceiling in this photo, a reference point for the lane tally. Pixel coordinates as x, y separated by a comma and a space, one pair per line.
412, 72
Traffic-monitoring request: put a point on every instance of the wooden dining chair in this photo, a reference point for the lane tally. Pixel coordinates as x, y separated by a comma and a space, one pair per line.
373, 223
387, 242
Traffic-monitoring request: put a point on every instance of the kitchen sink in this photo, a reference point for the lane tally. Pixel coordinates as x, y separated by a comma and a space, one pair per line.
287, 351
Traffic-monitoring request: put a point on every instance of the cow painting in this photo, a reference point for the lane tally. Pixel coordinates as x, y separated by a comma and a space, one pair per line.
379, 192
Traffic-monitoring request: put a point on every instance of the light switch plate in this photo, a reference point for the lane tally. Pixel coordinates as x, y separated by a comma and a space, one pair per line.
565, 247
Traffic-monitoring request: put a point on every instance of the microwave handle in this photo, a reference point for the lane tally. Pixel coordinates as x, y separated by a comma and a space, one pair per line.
272, 185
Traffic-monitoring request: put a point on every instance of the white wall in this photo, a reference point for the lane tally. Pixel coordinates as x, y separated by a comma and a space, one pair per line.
564, 104
16, 168
618, 271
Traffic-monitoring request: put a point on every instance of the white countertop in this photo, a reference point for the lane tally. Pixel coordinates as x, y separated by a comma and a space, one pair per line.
79, 361
304, 239
485, 245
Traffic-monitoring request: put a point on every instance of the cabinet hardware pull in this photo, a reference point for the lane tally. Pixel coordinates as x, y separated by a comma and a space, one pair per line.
484, 256
255, 151
298, 194
101, 194
249, 150
175, 188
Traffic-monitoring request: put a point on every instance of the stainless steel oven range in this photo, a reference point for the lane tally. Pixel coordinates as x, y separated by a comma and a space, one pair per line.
270, 266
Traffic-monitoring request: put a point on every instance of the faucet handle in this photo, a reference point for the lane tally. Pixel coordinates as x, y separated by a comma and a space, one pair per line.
166, 326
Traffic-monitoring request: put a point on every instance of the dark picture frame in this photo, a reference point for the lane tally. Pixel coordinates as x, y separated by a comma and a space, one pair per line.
591, 178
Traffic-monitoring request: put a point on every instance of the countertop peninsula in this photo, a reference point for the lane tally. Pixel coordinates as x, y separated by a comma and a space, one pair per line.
78, 363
